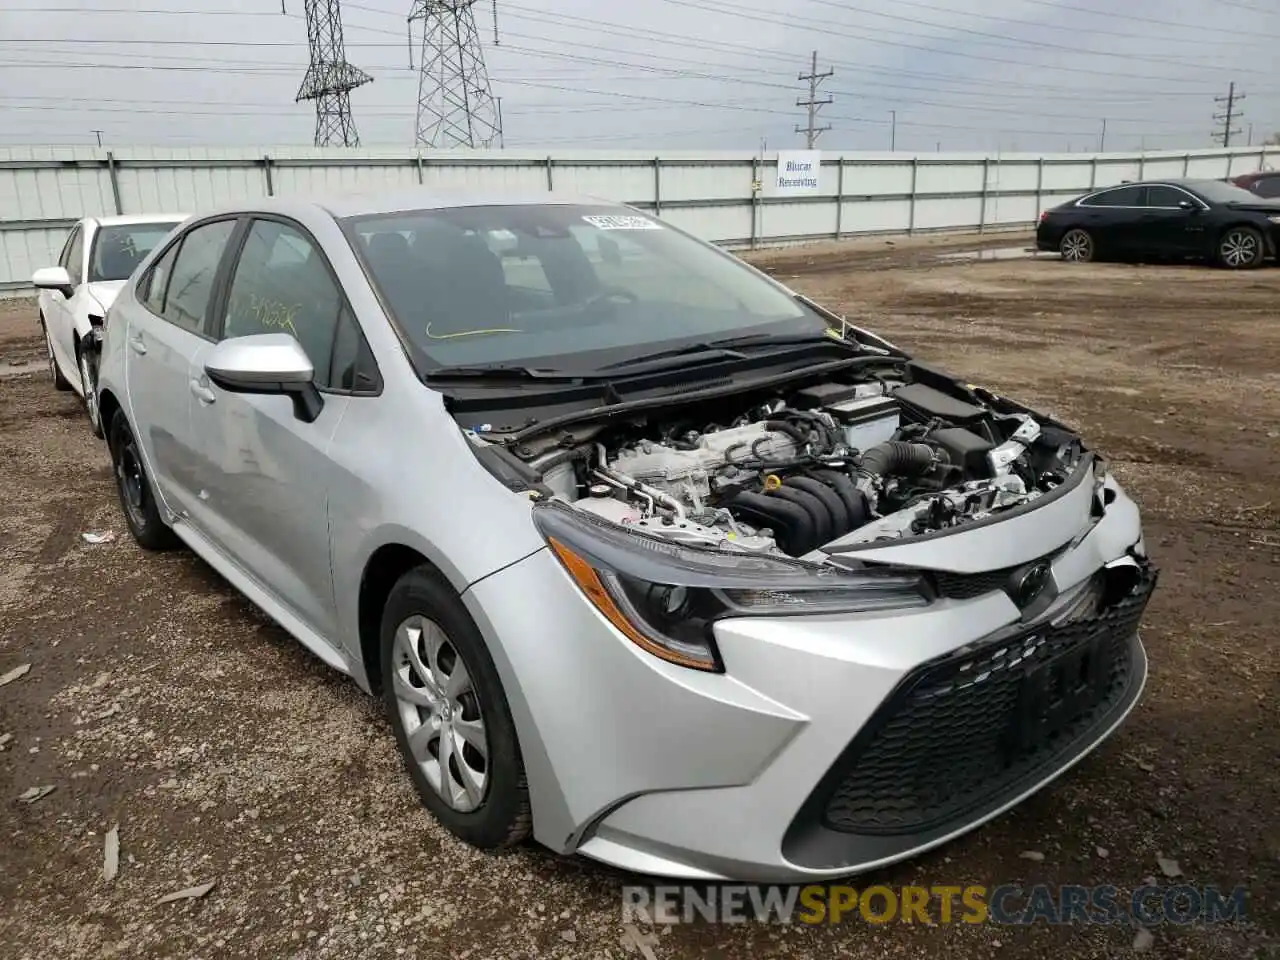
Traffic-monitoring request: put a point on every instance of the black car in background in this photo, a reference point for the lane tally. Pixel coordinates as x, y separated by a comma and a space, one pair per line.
1165, 220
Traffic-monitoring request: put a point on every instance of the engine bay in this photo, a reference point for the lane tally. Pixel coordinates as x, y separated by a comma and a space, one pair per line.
880, 455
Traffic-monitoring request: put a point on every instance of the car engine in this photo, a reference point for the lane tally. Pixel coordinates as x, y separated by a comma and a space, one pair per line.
881, 459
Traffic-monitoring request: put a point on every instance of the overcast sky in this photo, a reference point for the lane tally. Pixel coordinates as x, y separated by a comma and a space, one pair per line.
660, 74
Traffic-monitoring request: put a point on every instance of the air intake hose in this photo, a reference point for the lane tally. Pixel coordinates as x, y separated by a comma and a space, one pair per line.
897, 458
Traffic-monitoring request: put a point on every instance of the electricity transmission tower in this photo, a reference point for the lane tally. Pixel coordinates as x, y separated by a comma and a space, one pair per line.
456, 106
1229, 116
813, 103
330, 79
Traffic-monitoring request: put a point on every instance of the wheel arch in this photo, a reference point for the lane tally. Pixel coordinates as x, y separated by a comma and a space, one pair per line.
108, 405
1094, 238
1268, 241
385, 566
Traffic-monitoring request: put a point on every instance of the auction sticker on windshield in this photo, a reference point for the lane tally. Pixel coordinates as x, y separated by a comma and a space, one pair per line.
622, 223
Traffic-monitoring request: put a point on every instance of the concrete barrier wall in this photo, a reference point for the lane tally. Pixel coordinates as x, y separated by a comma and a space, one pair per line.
728, 198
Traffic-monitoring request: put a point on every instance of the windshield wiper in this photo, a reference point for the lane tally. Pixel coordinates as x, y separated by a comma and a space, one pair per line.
502, 371
785, 340
660, 360
728, 348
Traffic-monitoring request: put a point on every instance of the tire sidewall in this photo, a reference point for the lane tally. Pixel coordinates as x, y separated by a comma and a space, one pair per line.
499, 819
151, 533
89, 389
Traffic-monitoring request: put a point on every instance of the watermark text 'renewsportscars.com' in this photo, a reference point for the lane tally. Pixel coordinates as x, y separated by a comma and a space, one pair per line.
938, 904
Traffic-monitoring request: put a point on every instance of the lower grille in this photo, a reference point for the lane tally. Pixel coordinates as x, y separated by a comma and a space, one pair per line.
965, 729
965, 586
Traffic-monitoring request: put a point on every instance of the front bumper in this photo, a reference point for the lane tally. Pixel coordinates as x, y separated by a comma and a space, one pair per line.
830, 746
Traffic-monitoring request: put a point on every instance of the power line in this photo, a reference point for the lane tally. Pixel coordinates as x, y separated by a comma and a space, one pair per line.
1068, 8
738, 80
1074, 29
738, 11
1009, 40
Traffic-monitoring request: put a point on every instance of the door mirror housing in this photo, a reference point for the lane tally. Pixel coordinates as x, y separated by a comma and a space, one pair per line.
1187, 206
267, 363
53, 278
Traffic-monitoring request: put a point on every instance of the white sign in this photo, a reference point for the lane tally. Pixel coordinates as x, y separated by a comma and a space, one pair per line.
615, 222
799, 171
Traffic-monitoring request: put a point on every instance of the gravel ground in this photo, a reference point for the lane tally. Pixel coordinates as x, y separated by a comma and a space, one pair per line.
160, 703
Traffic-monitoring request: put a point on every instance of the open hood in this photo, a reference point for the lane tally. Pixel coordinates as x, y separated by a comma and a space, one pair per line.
891, 462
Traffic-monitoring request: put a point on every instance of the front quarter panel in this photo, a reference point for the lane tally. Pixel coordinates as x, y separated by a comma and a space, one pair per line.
404, 474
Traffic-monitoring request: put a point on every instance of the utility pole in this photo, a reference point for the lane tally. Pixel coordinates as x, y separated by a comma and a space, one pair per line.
99, 133
893, 130
1229, 115
813, 103
1102, 143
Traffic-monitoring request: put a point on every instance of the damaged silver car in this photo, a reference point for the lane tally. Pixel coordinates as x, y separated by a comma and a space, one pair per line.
647, 556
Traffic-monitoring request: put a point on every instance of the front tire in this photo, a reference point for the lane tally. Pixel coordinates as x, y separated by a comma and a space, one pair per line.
137, 496
1241, 248
451, 720
59, 381
1077, 246
89, 389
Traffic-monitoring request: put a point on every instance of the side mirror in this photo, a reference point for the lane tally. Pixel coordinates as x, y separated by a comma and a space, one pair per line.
267, 363
53, 278
1186, 205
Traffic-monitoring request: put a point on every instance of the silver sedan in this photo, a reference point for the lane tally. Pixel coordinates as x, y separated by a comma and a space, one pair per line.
648, 556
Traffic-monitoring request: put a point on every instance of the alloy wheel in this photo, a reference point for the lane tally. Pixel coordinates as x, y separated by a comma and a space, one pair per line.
1077, 247
1239, 248
441, 713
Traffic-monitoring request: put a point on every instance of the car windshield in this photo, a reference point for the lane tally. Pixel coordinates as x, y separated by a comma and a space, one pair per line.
1215, 191
560, 286
118, 248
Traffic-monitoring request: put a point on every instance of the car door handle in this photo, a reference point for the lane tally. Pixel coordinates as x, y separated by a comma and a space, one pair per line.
203, 393
137, 345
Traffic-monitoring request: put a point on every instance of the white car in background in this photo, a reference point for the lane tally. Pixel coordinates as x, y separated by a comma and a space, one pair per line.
99, 255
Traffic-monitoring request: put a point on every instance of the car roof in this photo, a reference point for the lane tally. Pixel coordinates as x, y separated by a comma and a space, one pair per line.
124, 220
357, 204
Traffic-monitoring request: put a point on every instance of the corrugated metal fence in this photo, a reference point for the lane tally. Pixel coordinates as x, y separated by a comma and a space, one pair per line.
729, 198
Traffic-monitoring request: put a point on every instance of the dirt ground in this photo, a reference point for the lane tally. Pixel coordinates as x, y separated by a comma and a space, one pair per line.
160, 701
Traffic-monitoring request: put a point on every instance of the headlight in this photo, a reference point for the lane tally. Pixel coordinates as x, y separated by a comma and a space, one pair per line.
1274, 217
665, 596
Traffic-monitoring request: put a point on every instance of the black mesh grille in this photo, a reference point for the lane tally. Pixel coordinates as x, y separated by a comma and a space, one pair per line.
967, 728
965, 586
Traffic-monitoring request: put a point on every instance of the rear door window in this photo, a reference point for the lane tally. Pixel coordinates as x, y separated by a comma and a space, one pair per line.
191, 283
1163, 196
1119, 197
